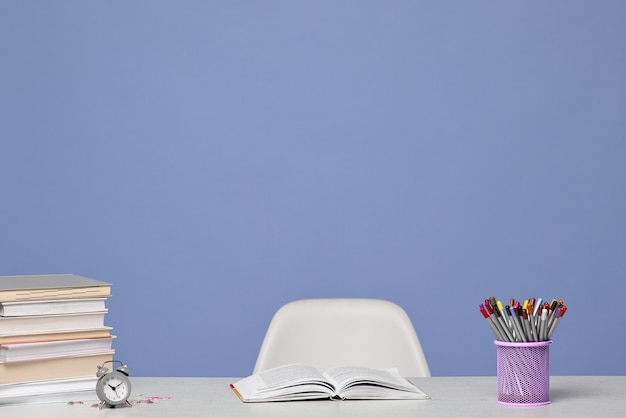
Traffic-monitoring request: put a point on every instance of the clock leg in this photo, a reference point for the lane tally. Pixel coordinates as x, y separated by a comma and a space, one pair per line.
126, 403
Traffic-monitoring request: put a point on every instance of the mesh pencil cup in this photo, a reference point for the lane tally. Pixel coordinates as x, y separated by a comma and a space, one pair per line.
523, 373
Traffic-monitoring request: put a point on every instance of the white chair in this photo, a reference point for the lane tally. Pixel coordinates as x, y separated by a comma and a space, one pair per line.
343, 332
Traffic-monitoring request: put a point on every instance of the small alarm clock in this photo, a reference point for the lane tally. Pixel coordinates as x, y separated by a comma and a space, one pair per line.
113, 388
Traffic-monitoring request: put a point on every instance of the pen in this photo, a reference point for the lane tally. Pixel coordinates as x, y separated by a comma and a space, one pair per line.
504, 327
561, 312
539, 306
500, 308
553, 319
533, 326
517, 324
497, 321
542, 327
553, 305
518, 317
490, 321
527, 330
553, 315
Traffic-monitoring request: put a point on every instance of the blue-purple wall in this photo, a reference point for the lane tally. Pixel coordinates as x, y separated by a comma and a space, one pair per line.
216, 159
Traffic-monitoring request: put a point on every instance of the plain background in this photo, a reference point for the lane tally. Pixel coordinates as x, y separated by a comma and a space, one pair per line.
217, 159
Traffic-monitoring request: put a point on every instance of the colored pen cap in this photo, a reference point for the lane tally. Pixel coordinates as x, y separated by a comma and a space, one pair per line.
500, 306
554, 304
489, 308
557, 312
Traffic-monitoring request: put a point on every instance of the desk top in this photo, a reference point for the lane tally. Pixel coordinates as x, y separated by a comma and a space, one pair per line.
571, 396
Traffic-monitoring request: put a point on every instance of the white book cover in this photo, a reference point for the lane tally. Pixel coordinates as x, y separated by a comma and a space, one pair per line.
53, 349
52, 307
45, 323
50, 391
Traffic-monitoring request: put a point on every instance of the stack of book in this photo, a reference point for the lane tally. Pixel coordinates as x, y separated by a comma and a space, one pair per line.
52, 337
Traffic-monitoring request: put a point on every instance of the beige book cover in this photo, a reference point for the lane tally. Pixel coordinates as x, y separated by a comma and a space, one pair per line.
57, 368
51, 286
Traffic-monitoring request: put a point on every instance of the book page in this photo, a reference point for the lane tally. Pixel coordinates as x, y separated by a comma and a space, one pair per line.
291, 382
286, 375
367, 383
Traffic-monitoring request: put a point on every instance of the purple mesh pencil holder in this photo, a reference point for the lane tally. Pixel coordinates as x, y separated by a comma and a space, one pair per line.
523, 373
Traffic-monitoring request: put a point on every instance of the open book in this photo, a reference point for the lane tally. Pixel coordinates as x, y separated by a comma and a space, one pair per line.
299, 382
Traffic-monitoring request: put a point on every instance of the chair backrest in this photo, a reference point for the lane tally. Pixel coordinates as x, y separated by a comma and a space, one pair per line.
343, 332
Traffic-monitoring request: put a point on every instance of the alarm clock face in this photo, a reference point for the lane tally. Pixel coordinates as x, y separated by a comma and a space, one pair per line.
113, 388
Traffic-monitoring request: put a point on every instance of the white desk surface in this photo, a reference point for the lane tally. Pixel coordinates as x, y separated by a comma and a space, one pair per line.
571, 396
